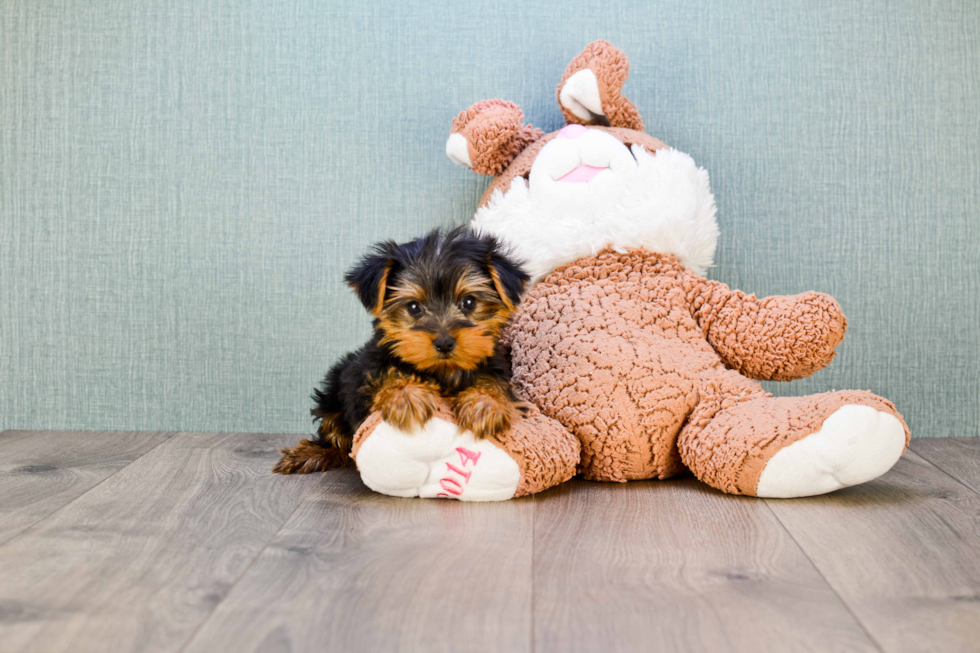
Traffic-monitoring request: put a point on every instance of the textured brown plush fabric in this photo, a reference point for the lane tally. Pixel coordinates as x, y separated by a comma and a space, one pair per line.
611, 68
621, 349
545, 452
796, 335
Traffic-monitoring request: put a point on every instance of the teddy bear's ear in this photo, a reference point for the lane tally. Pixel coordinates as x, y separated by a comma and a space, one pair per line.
487, 136
589, 92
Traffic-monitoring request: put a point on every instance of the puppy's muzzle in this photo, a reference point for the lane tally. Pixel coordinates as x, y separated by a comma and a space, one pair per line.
444, 344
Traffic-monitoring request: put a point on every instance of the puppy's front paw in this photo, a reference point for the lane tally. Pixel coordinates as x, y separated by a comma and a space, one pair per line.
485, 411
406, 404
410, 408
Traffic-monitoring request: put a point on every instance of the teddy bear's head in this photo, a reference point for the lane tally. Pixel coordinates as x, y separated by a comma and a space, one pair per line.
598, 182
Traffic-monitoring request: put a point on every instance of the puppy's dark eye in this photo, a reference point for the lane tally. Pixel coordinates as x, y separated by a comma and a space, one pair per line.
468, 303
414, 309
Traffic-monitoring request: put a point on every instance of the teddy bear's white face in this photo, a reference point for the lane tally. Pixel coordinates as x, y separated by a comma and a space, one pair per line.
587, 191
579, 155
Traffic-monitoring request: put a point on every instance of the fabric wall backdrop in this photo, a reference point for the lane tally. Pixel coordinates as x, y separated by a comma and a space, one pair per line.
183, 183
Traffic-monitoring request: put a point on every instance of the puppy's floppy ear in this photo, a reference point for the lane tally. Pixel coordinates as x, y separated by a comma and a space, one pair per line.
369, 279
509, 278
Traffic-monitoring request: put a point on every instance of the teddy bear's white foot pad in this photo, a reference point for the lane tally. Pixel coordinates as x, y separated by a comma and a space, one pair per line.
854, 445
436, 461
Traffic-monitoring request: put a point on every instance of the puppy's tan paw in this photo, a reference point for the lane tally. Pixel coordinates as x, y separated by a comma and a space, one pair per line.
406, 403
485, 411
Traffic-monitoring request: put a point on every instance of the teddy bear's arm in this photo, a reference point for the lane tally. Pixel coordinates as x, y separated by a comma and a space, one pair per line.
487, 136
778, 338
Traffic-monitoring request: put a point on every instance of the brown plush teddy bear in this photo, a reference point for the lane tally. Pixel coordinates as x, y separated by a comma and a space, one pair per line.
621, 340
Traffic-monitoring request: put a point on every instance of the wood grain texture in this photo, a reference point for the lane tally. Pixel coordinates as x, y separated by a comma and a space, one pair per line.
676, 566
41, 471
903, 552
194, 546
357, 571
958, 457
138, 562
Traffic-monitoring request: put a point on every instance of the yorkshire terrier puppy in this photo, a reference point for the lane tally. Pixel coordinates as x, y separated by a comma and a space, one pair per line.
439, 305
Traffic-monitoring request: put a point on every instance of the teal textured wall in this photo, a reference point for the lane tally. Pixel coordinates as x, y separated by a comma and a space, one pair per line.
182, 183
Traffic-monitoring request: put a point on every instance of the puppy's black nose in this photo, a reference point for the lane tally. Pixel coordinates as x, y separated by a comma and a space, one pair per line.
444, 344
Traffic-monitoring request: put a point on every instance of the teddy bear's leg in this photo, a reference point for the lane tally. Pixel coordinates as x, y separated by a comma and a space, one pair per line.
589, 91
742, 443
441, 460
623, 395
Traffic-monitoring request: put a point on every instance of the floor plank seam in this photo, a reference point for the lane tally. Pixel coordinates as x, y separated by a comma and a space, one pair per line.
936, 465
840, 598
169, 435
231, 588
534, 531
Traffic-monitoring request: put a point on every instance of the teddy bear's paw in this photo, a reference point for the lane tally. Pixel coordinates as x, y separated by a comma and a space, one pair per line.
457, 149
855, 444
436, 461
487, 411
488, 135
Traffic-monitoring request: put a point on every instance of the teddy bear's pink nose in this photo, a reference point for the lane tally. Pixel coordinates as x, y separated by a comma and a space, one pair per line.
572, 131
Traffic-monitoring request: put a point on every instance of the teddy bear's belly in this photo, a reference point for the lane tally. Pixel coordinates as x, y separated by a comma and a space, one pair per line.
619, 365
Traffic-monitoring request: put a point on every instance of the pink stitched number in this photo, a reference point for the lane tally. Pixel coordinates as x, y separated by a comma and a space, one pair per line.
459, 471
465, 455
456, 491
454, 487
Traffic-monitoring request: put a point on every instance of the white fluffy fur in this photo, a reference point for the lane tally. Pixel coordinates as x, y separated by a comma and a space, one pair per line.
662, 204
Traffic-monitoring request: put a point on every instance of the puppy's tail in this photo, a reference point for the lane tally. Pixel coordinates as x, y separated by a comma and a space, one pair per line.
311, 456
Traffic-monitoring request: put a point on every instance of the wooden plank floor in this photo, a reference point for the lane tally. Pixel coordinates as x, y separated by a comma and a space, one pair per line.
186, 543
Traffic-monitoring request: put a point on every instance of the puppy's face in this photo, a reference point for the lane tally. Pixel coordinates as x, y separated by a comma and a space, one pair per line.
443, 320
442, 301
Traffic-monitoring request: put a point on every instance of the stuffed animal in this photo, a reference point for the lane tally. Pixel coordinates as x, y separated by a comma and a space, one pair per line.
621, 340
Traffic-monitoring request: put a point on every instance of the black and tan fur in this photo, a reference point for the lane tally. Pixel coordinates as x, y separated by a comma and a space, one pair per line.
439, 305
